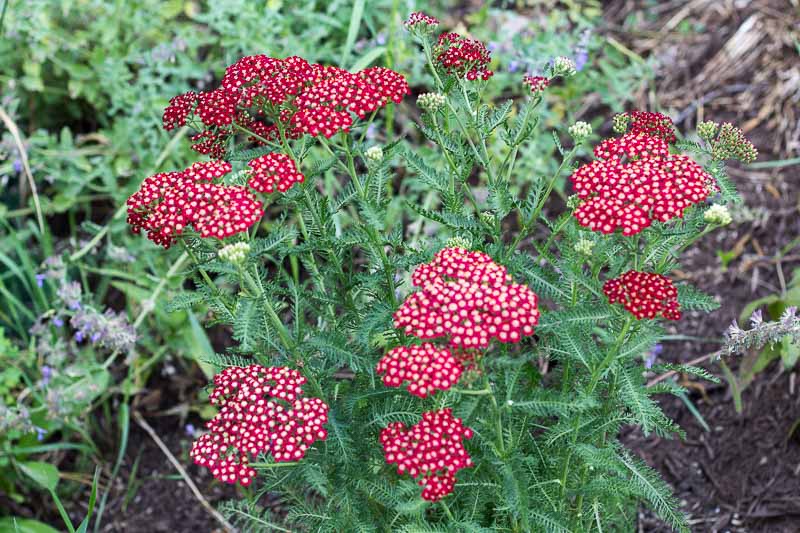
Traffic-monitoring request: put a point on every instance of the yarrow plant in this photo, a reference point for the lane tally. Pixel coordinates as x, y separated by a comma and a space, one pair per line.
388, 370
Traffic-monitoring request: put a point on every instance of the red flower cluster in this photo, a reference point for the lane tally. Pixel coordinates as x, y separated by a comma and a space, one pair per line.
635, 180
431, 451
536, 83
167, 203
260, 411
304, 97
418, 17
644, 294
273, 170
425, 367
461, 56
652, 124
470, 299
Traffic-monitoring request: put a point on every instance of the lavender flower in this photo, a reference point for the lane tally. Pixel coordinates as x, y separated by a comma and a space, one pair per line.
40, 279
58, 321
109, 329
47, 374
17, 166
40, 433
652, 355
762, 333
70, 294
513, 65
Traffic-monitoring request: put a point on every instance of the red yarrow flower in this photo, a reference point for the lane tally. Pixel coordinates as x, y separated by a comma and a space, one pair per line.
273, 171
179, 108
468, 298
652, 124
431, 451
644, 294
463, 57
167, 203
426, 369
261, 411
298, 96
633, 182
537, 84
418, 17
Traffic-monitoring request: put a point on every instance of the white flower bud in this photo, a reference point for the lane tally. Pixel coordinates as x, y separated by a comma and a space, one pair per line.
374, 153
717, 214
234, 253
580, 131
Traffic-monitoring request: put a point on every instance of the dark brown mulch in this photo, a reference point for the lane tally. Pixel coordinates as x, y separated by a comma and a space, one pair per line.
737, 62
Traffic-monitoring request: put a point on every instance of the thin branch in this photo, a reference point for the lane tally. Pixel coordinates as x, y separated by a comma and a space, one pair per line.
213, 512
23, 155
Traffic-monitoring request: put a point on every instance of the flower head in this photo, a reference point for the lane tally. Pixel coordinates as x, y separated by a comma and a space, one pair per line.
468, 298
718, 214
564, 67
167, 203
261, 411
732, 144
374, 153
431, 451
425, 368
580, 131
419, 21
649, 123
431, 102
234, 253
635, 180
644, 294
179, 108
537, 84
707, 130
463, 57
273, 171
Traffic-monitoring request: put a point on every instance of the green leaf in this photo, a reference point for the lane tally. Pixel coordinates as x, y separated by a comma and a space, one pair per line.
24, 525
44, 474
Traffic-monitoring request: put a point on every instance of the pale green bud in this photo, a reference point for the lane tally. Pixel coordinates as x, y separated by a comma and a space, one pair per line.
458, 242
563, 66
584, 247
580, 131
707, 130
374, 153
718, 215
431, 102
620, 123
234, 253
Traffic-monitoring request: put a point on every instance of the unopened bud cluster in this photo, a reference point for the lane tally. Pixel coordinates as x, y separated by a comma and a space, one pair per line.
431, 102
234, 253
374, 153
580, 131
564, 67
718, 214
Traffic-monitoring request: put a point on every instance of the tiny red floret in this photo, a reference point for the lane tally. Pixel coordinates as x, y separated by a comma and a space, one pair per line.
644, 294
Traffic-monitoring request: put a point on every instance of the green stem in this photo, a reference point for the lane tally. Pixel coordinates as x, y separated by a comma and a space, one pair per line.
371, 233
528, 224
